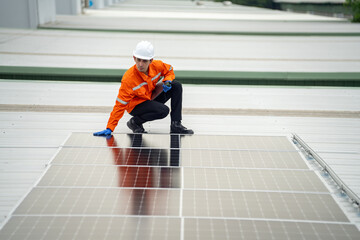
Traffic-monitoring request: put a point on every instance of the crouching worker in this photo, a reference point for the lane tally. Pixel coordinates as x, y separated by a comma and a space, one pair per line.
136, 94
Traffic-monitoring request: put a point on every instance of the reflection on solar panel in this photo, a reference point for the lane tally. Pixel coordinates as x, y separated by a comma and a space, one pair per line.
153, 186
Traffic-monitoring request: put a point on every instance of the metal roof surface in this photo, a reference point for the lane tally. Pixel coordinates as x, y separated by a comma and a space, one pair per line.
36, 117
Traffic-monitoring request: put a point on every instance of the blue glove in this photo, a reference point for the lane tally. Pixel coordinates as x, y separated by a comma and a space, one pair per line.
105, 132
166, 86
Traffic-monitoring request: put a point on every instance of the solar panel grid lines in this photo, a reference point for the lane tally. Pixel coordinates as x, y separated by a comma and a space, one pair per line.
160, 186
182, 226
29, 190
294, 205
255, 179
264, 229
189, 158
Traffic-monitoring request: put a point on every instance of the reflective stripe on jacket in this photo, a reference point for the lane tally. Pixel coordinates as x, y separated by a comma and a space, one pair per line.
136, 87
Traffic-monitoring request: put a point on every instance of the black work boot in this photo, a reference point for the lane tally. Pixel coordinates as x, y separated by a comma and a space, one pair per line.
136, 128
177, 127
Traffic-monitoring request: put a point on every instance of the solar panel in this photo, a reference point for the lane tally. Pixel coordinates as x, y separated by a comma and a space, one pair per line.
123, 140
252, 179
233, 142
100, 201
159, 186
194, 178
111, 176
261, 205
260, 229
113, 156
91, 227
242, 159
188, 158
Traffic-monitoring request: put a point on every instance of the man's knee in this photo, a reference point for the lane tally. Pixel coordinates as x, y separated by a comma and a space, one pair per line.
176, 86
164, 111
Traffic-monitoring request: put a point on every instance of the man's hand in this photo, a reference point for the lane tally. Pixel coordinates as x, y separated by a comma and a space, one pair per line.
166, 86
105, 132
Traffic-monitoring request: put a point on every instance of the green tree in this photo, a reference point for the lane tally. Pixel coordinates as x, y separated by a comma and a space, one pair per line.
256, 3
355, 7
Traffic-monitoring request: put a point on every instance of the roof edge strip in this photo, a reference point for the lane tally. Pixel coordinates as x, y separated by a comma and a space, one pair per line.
240, 33
344, 79
327, 169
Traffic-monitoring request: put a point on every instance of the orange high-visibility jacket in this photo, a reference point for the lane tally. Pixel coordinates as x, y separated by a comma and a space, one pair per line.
136, 87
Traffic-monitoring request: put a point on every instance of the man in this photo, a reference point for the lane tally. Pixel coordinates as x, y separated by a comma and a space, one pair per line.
135, 94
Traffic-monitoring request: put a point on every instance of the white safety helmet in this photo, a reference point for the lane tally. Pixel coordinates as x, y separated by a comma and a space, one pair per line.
144, 50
